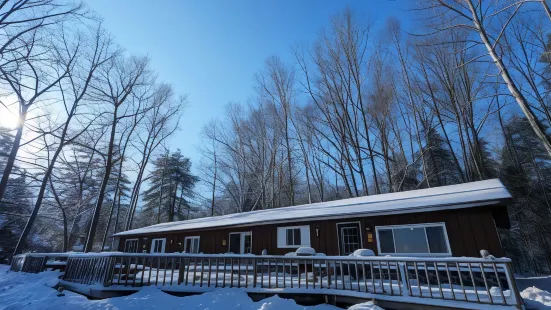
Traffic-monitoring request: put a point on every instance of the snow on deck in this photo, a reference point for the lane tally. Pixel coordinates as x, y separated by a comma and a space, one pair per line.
464, 195
29, 291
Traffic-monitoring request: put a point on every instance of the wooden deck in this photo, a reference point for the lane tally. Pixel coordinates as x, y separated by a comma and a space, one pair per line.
468, 283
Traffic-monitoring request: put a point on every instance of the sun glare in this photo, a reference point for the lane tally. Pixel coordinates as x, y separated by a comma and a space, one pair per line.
8, 119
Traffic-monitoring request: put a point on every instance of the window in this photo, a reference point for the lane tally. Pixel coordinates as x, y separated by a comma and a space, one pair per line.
191, 244
350, 238
131, 246
421, 239
293, 237
158, 245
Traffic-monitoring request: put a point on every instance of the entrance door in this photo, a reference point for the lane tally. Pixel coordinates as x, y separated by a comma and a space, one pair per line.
350, 237
240, 243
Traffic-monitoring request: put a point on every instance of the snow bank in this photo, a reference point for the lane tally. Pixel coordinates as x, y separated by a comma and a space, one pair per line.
542, 282
34, 291
365, 306
534, 298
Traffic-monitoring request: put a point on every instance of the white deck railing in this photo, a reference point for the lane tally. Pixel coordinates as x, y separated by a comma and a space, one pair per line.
441, 281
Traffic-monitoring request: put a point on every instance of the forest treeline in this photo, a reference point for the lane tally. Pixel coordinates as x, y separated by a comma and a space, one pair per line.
457, 93
460, 95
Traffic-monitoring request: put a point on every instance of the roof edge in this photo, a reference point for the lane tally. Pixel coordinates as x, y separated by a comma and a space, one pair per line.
444, 207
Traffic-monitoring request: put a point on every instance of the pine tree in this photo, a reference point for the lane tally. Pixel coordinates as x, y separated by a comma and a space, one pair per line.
17, 199
526, 172
440, 168
171, 187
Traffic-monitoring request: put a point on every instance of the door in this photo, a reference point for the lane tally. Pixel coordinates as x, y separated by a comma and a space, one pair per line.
191, 244
240, 243
158, 245
350, 237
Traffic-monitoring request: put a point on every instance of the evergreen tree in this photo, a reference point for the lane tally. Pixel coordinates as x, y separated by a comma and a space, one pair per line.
171, 187
439, 166
17, 199
404, 175
526, 172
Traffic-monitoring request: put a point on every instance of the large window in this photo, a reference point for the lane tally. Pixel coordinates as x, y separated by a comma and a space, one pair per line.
419, 239
293, 237
191, 244
158, 245
131, 246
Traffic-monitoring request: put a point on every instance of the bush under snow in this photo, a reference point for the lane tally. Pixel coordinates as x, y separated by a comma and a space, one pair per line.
534, 298
365, 306
305, 251
363, 253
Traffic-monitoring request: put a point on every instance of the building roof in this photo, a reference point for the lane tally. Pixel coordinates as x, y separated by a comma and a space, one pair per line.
466, 195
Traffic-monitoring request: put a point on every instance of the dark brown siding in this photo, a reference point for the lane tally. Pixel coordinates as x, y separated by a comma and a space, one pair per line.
469, 231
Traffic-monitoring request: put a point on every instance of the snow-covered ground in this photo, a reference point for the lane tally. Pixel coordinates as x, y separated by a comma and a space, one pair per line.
34, 291
535, 291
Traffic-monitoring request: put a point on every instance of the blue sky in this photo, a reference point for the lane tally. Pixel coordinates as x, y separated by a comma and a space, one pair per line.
210, 50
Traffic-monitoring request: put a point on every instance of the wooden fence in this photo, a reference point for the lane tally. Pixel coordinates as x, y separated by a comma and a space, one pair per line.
38, 262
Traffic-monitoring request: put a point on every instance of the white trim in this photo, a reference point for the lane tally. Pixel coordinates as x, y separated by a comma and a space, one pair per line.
153, 245
241, 241
339, 238
198, 244
137, 244
304, 237
424, 225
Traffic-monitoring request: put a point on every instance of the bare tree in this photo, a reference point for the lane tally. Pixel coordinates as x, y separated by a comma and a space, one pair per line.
24, 67
161, 120
72, 92
113, 87
483, 17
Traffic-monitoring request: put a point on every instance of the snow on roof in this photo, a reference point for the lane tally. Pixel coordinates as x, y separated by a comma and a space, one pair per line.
464, 195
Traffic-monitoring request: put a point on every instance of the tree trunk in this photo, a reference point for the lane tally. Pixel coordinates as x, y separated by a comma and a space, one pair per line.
520, 99
13, 153
65, 235
101, 195
213, 187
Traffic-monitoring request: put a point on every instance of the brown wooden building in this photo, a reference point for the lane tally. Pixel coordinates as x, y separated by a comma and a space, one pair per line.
456, 220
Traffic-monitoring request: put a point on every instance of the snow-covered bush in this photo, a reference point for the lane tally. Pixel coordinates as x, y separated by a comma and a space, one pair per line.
305, 251
363, 253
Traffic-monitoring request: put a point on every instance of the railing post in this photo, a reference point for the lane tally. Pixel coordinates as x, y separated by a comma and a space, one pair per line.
255, 274
107, 280
26, 262
515, 294
405, 284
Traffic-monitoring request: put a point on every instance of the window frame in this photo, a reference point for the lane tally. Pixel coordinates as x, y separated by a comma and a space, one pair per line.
421, 225
153, 245
192, 238
292, 230
126, 245
302, 235
242, 235
339, 234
